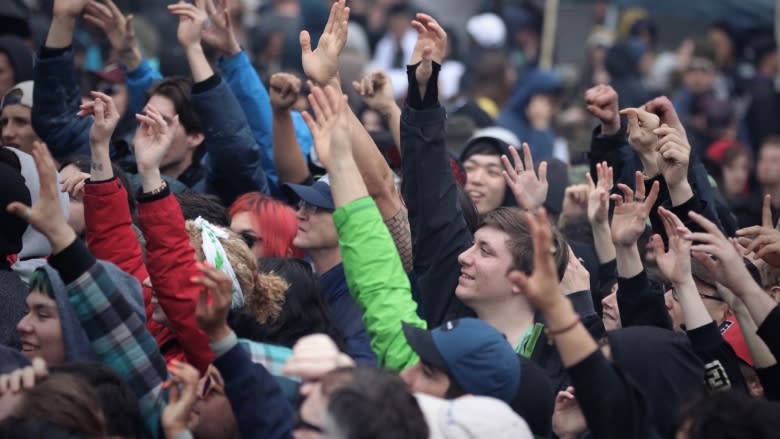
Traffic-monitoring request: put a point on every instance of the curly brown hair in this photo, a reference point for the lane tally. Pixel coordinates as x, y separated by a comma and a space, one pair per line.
263, 292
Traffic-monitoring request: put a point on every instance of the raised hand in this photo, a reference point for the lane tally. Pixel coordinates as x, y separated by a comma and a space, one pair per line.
46, 214
74, 184
575, 202
568, 420
719, 255
106, 117
529, 190
331, 129
376, 90
106, 16
664, 109
182, 393
631, 212
673, 155
675, 263
314, 356
192, 22
431, 47
153, 138
540, 287
598, 194
214, 301
284, 91
602, 103
221, 34
23, 378
321, 65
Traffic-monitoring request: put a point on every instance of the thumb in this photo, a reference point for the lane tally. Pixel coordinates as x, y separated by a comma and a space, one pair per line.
305, 40
100, 110
427, 52
228, 20
518, 279
18, 209
657, 244
129, 29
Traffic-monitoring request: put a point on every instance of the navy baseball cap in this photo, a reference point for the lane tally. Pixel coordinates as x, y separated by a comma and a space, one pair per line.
473, 353
317, 194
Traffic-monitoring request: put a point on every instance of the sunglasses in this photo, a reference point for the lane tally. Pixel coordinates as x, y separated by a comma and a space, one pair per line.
300, 424
212, 385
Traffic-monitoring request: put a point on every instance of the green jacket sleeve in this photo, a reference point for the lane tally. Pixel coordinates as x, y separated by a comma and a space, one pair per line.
377, 281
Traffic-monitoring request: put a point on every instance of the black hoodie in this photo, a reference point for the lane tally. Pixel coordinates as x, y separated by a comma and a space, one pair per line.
20, 57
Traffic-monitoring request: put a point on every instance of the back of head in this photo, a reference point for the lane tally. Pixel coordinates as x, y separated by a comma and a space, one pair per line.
64, 400
195, 204
117, 398
263, 294
728, 414
665, 384
512, 221
375, 403
472, 417
304, 310
11, 225
35, 428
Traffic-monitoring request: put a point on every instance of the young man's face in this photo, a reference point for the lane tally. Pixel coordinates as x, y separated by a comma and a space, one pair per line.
16, 123
484, 267
211, 416
485, 183
183, 145
768, 166
40, 330
611, 312
426, 379
315, 228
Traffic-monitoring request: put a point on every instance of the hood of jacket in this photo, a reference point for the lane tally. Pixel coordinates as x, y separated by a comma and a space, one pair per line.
623, 59
666, 383
533, 82
20, 57
77, 344
34, 244
500, 139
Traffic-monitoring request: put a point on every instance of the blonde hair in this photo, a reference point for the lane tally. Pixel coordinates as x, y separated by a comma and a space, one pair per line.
263, 292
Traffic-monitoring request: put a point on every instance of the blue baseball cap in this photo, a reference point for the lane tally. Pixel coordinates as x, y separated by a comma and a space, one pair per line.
317, 194
473, 353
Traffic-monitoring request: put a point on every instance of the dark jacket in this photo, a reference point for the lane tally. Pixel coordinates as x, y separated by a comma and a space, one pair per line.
233, 163
513, 117
13, 293
347, 316
440, 233
622, 64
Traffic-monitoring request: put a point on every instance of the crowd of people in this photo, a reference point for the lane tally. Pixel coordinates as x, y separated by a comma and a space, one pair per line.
331, 221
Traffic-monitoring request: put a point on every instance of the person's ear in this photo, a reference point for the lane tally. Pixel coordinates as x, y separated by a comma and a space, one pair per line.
775, 293
194, 140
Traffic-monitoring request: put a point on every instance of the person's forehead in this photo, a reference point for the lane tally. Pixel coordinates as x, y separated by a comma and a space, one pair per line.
163, 104
484, 159
36, 298
492, 236
16, 110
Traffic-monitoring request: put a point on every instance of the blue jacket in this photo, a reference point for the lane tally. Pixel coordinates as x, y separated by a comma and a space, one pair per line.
514, 119
253, 99
258, 404
233, 164
347, 316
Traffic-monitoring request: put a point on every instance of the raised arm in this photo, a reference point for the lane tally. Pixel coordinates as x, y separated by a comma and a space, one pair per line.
377, 92
115, 329
170, 258
289, 161
234, 164
373, 269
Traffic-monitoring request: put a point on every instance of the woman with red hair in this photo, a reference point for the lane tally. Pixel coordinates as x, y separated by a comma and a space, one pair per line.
267, 225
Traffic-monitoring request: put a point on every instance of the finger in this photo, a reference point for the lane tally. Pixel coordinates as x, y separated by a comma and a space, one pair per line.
113, 8
419, 27
15, 383
657, 244
665, 130
628, 194
705, 238
102, 11
314, 101
47, 172
510, 172
708, 249
706, 224
543, 173
767, 250
129, 29
357, 87
639, 185
173, 392
528, 158
518, 279
28, 378
617, 199
653, 196
766, 212
541, 233
210, 8
759, 242
704, 259
100, 108
310, 123
95, 21
589, 179
752, 230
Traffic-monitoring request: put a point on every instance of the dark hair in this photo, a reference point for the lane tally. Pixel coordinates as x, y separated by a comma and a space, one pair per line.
83, 162
117, 398
304, 311
470, 213
511, 221
194, 204
732, 153
728, 414
65, 400
376, 403
33, 427
484, 147
39, 280
770, 141
179, 90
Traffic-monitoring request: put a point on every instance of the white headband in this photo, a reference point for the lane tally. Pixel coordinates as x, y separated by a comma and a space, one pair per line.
216, 256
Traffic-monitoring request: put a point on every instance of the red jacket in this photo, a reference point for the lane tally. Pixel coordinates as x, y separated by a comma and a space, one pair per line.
170, 263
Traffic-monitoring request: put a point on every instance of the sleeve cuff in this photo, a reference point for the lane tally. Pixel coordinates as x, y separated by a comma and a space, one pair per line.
431, 97
206, 85
342, 214
51, 52
148, 198
224, 346
705, 338
233, 62
72, 262
771, 326
636, 283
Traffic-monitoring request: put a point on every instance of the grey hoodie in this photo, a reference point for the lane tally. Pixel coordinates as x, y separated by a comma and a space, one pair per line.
35, 246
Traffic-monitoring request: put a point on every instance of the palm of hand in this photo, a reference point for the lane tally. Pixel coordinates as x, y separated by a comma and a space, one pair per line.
529, 191
150, 148
322, 63
628, 223
189, 31
675, 264
596, 212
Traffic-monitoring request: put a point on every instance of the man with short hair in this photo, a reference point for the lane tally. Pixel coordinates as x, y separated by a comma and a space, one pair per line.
15, 117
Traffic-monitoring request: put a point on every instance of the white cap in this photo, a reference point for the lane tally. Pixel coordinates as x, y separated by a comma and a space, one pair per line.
21, 93
488, 30
471, 417
496, 132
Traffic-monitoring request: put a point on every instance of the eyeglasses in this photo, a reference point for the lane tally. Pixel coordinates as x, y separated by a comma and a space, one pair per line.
248, 238
300, 424
310, 209
676, 296
211, 385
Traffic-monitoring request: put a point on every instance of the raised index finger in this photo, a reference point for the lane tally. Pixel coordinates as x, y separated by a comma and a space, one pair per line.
706, 224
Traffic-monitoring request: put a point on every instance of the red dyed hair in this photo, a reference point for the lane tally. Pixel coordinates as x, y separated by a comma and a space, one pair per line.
273, 220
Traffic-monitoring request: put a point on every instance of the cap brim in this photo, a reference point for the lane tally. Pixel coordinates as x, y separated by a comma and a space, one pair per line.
309, 195
421, 342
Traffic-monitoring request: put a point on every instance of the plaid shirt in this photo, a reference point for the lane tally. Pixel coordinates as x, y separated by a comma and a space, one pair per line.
120, 339
272, 358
